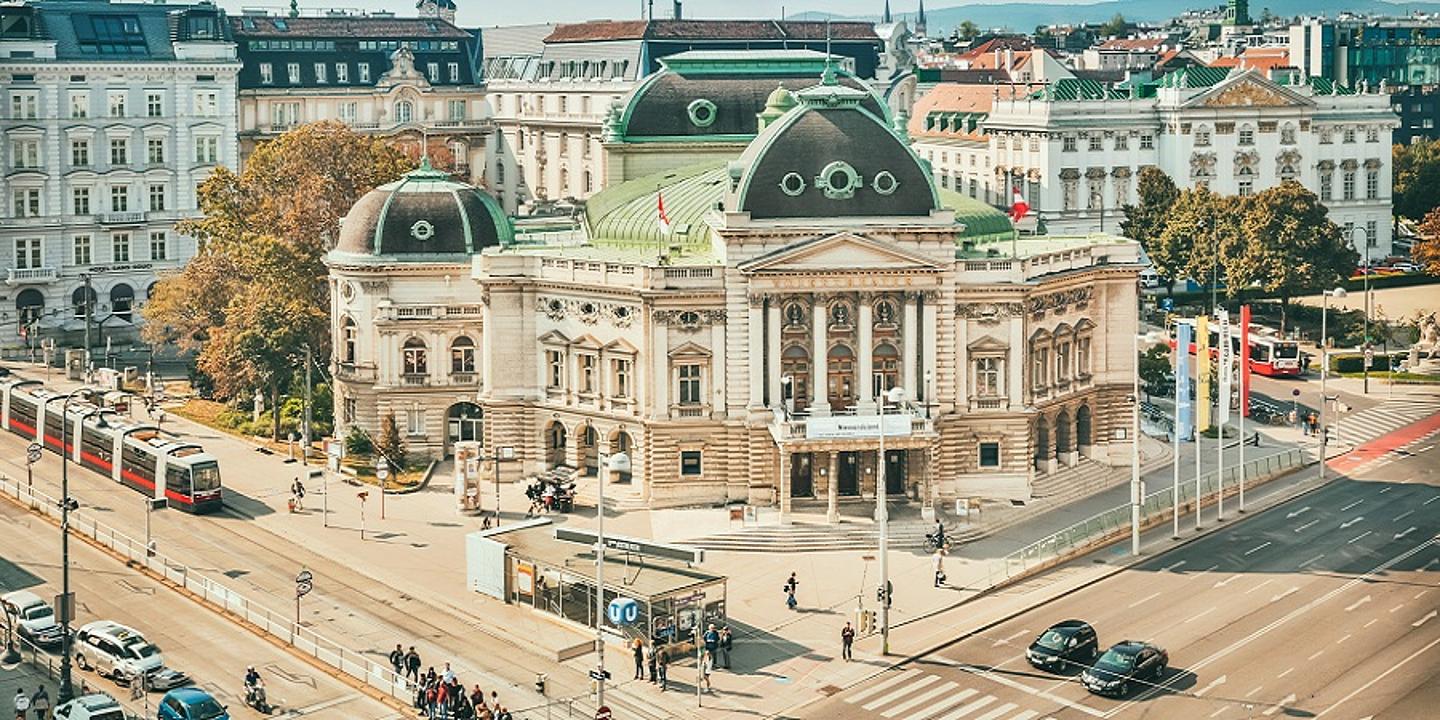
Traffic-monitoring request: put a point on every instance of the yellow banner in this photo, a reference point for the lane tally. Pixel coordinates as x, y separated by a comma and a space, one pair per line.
1202, 373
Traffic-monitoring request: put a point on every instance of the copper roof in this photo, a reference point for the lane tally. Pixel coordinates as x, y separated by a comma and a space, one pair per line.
709, 30
255, 26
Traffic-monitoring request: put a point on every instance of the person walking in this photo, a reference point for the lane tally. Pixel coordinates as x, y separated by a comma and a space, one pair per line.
397, 659
662, 661
650, 660
707, 664
791, 586
939, 564
40, 703
22, 703
297, 489
727, 641
412, 664
637, 648
449, 675
711, 640
847, 641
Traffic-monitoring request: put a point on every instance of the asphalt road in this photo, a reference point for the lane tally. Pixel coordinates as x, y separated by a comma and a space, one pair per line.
210, 649
1325, 606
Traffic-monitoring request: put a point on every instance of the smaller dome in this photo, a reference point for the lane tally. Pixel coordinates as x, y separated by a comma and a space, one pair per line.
423, 215
780, 100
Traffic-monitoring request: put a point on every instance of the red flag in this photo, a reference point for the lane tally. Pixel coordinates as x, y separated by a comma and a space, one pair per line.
663, 219
1019, 208
1245, 360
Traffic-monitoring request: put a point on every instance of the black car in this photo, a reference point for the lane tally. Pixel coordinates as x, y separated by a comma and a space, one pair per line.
1065, 643
1127, 662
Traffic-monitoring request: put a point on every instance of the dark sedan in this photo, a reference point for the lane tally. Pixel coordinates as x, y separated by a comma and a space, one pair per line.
1071, 642
1126, 663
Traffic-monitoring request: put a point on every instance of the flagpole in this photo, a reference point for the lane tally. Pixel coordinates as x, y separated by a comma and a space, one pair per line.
1244, 392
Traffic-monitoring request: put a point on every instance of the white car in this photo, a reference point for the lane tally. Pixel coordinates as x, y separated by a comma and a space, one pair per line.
116, 651
96, 706
34, 618
1149, 279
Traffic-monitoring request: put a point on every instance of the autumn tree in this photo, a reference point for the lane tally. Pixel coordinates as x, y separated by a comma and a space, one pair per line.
1145, 220
1291, 246
1426, 251
1417, 178
391, 445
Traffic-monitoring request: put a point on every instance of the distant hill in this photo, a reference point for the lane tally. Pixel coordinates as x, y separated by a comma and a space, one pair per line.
1024, 16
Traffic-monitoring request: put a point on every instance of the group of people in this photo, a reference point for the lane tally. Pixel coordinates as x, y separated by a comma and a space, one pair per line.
1309, 424
39, 703
441, 696
717, 642
548, 496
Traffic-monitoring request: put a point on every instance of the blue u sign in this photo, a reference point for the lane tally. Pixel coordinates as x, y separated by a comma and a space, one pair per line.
623, 611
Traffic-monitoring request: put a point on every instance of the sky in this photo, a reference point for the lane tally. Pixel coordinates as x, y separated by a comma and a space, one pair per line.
482, 13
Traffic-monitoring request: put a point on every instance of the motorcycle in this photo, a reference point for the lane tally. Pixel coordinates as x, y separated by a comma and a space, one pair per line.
255, 698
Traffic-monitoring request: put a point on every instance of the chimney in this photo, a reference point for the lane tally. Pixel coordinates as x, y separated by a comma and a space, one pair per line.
677, 11
1009, 58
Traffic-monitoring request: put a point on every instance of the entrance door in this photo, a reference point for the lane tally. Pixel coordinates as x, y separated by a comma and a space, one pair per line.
848, 482
464, 421
894, 472
841, 378
802, 482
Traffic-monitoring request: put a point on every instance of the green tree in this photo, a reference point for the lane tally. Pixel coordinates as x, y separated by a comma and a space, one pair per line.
1426, 251
1291, 246
1155, 372
968, 30
1417, 178
1145, 220
390, 445
1116, 25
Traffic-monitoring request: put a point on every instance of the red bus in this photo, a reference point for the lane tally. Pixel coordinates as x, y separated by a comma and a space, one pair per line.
1270, 354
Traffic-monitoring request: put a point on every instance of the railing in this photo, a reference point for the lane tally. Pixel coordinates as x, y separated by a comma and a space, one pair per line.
120, 218
430, 312
415, 380
281, 626
16, 276
351, 371
689, 411
989, 403
462, 378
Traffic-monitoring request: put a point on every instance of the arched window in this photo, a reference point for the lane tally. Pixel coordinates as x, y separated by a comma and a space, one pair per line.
122, 300
1202, 136
462, 355
413, 355
404, 111
29, 305
83, 300
1287, 134
885, 369
349, 341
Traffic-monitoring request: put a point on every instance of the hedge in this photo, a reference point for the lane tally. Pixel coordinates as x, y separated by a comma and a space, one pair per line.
1355, 362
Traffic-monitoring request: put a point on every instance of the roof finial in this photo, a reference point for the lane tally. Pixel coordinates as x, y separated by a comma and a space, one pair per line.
885, 18
827, 77
294, 8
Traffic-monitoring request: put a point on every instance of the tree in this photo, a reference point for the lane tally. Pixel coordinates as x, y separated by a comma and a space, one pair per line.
1417, 178
1116, 25
390, 445
1155, 372
968, 30
1145, 221
1426, 251
1291, 246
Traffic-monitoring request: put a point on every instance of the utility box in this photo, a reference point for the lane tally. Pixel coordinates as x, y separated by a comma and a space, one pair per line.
75, 364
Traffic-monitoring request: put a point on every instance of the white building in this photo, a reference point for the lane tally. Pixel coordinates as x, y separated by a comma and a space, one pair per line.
112, 114
1076, 147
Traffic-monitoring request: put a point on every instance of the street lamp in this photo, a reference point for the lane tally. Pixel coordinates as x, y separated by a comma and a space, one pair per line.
1365, 280
1338, 292
1137, 491
788, 384
895, 395
616, 463
67, 605
12, 655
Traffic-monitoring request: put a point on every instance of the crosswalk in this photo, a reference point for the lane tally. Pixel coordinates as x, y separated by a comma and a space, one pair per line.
917, 695
1362, 426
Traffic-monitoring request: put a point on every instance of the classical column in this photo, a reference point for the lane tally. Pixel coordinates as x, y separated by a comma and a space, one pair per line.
866, 351
784, 486
772, 351
832, 490
755, 329
819, 362
964, 371
909, 335
660, 368
927, 351
716, 390
1016, 362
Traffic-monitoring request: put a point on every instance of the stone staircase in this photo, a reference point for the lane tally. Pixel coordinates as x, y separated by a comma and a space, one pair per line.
1083, 479
820, 537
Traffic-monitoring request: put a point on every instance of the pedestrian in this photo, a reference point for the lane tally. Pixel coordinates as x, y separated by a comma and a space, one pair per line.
727, 641
449, 675
298, 490
707, 664
432, 700
22, 703
430, 677
40, 703
504, 714
791, 586
477, 698
412, 664
847, 640
397, 659
939, 563
650, 660
712, 640
662, 660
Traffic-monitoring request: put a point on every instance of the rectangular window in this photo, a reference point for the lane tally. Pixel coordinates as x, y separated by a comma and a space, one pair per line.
28, 253
1122, 142
154, 104
25, 153
456, 109
1082, 357
1348, 185
79, 105
432, 71
80, 249
587, 373
80, 200
989, 454
1247, 188
1372, 233
364, 69
24, 106
120, 247
292, 73
690, 462
987, 377
284, 114
207, 104
80, 152
25, 202
342, 73
120, 198
349, 112
1247, 136
689, 391
1327, 186
159, 242
207, 150
1095, 143
320, 69
1372, 184
157, 197
1349, 135
1372, 135
267, 74
1041, 369
155, 151
555, 366
1147, 141
620, 387
119, 151
116, 103
415, 421
1067, 144
454, 70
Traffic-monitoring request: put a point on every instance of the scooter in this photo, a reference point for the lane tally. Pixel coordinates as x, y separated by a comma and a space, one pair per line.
255, 698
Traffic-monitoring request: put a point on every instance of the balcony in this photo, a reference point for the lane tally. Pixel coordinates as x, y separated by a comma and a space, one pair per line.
355, 373
848, 425
430, 312
415, 380
121, 218
689, 412
31, 276
989, 403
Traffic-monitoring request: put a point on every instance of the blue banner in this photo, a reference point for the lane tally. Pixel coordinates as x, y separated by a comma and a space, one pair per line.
1184, 407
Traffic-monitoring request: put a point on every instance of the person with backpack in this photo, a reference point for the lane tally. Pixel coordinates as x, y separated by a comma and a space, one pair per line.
662, 661
791, 586
40, 703
22, 703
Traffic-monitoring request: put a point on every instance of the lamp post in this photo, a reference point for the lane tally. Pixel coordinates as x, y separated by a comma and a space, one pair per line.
614, 463
894, 395
787, 383
1137, 490
66, 692
12, 654
1365, 350
1338, 292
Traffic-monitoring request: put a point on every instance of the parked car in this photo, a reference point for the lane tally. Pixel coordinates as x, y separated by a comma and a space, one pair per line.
191, 704
1149, 279
34, 617
122, 653
95, 706
1126, 662
1066, 643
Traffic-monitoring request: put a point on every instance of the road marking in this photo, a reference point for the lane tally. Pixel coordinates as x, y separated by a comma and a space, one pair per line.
1357, 603
1302, 528
1226, 581
1280, 705
1348, 523
1357, 538
1283, 595
1257, 587
1258, 548
1404, 532
1197, 616
1217, 682
904, 690
1003, 680
1423, 620
922, 697
967, 709
1297, 513
1219, 712
1145, 599
1368, 624
883, 684
943, 705
1026, 715
1006, 641
317, 707
1283, 674
1351, 505
1420, 594
1385, 490
1318, 653
1433, 499
1397, 607
1379, 677
1172, 566
1256, 690
1311, 560
997, 712
1204, 572
1343, 639
1403, 515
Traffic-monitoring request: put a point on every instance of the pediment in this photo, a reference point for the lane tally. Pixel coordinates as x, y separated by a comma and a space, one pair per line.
1248, 90
555, 337
619, 345
988, 344
588, 342
839, 252
690, 349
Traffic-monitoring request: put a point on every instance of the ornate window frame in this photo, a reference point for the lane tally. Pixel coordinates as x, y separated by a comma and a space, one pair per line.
702, 112
853, 180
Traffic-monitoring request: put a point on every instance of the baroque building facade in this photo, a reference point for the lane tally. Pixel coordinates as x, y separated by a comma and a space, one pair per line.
742, 349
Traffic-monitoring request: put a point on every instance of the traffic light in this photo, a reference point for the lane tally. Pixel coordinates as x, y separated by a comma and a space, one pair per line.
885, 594
540, 682
867, 622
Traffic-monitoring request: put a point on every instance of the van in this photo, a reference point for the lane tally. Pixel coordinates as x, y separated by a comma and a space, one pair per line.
1149, 279
116, 651
96, 706
33, 617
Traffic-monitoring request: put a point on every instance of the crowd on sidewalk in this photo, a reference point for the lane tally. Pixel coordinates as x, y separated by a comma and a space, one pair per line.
441, 696
717, 644
39, 703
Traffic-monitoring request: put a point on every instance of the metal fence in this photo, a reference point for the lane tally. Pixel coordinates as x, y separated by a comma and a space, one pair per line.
1156, 506
281, 626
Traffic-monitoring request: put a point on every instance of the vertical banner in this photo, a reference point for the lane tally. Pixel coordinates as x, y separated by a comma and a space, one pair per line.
1245, 361
1183, 426
1227, 365
1202, 373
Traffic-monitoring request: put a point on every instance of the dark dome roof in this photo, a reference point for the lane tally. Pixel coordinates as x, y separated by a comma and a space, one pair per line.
424, 215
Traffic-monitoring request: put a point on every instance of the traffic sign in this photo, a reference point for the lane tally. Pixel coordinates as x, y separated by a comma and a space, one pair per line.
596, 675
382, 469
304, 583
1369, 357
32, 453
603, 712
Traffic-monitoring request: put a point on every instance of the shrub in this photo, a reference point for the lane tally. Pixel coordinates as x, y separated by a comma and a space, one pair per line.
357, 442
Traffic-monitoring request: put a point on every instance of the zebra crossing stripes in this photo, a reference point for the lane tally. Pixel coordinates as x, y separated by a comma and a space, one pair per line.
943, 705
926, 696
882, 685
905, 690
964, 710
1365, 425
916, 695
